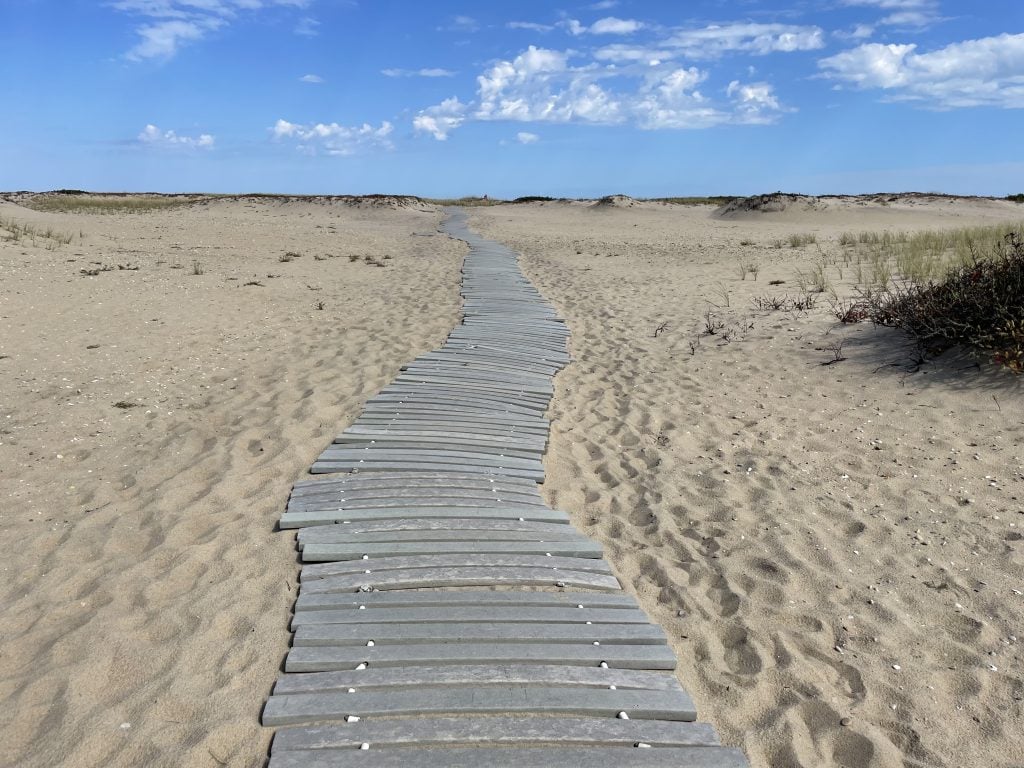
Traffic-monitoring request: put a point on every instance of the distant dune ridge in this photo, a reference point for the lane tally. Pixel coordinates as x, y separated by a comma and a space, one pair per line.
830, 534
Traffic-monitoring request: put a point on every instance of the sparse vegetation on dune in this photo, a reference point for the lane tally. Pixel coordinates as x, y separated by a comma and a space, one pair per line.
946, 288
15, 231
978, 304
73, 201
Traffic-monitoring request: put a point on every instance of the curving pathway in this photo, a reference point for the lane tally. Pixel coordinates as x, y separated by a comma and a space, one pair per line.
447, 617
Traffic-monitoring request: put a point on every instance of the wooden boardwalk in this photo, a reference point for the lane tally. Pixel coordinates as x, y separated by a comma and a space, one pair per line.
448, 617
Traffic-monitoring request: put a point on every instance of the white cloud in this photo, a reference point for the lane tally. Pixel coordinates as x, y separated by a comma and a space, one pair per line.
614, 26
426, 72
162, 40
754, 103
904, 13
541, 85
606, 26
311, 79
984, 72
334, 139
441, 119
538, 85
604, 5
307, 26
154, 137
173, 23
525, 137
529, 25
758, 39
891, 4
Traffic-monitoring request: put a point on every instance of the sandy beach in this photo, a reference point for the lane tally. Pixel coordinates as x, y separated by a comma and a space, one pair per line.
833, 549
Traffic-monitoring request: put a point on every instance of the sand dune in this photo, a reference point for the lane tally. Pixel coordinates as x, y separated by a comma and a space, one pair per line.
834, 550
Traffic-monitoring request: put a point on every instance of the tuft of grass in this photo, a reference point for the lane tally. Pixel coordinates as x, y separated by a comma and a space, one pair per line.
197, 268
800, 241
749, 267
289, 256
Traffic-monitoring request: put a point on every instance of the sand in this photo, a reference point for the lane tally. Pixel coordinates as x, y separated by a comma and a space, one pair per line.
146, 596
834, 550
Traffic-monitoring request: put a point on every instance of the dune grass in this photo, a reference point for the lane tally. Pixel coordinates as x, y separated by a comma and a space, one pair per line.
61, 202
15, 231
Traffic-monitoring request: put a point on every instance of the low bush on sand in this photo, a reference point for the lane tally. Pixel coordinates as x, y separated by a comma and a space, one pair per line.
978, 304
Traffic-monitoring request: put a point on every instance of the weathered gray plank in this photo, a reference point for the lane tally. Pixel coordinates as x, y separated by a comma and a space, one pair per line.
332, 517
378, 563
488, 731
326, 659
502, 757
384, 601
340, 533
437, 455
478, 700
526, 615
470, 552
421, 578
419, 536
479, 675
475, 632
321, 467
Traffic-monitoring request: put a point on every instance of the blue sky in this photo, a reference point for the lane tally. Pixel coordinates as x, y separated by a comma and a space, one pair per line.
456, 98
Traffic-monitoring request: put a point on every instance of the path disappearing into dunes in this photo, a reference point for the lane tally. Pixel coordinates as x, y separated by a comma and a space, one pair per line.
448, 617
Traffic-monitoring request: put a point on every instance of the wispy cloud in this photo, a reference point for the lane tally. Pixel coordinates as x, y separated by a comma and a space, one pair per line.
332, 138
307, 26
425, 72
152, 136
525, 137
902, 13
984, 72
530, 25
311, 79
170, 24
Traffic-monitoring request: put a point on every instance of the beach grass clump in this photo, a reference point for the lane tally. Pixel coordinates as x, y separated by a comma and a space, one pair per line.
802, 240
978, 304
73, 201
16, 231
749, 267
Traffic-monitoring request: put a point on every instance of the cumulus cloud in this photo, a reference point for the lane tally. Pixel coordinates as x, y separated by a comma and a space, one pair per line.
984, 72
538, 85
441, 119
332, 138
311, 79
542, 85
171, 24
153, 137
525, 137
426, 72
